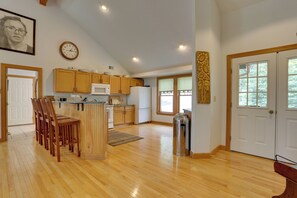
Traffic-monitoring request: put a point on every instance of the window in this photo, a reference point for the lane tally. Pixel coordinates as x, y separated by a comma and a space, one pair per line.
253, 84
184, 87
166, 95
174, 94
292, 83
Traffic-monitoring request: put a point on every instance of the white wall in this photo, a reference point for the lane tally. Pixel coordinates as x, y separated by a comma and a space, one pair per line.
52, 28
270, 23
206, 118
155, 117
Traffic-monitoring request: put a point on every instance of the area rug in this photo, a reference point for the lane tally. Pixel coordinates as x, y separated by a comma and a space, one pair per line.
116, 138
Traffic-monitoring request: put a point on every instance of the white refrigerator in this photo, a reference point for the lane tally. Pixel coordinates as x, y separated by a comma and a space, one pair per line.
141, 98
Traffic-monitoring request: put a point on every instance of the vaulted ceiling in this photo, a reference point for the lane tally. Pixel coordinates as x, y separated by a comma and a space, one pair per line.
150, 30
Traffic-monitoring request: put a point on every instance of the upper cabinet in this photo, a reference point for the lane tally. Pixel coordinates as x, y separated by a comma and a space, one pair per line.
137, 82
125, 85
82, 82
64, 80
100, 78
70, 81
119, 85
115, 84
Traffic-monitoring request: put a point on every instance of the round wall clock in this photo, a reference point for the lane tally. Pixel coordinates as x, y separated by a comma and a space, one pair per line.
69, 50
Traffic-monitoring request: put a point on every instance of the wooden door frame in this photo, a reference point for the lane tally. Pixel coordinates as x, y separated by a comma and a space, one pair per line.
4, 68
229, 82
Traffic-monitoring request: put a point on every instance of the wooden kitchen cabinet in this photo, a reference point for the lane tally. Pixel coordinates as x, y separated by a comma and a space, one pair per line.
137, 82
118, 115
123, 115
100, 78
82, 82
115, 84
70, 81
125, 85
119, 85
129, 114
64, 80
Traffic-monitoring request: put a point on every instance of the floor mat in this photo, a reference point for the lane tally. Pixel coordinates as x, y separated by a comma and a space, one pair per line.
116, 138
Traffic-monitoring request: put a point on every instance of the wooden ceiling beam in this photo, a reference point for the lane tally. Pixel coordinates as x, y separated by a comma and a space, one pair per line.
43, 2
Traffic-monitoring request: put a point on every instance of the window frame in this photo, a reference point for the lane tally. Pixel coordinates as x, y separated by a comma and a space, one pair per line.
257, 87
175, 94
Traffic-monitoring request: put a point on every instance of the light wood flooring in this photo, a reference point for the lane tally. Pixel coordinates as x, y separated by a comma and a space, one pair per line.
144, 168
15, 132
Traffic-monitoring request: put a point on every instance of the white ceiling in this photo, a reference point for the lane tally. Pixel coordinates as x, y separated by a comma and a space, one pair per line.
149, 29
226, 6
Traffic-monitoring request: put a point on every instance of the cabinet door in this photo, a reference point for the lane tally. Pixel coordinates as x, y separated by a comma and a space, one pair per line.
96, 78
115, 84
83, 82
137, 82
125, 85
64, 80
129, 114
105, 79
118, 115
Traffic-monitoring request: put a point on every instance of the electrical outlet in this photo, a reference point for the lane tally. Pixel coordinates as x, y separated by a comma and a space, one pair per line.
110, 67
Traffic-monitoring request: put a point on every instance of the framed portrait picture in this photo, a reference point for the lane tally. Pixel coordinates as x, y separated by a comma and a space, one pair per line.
17, 32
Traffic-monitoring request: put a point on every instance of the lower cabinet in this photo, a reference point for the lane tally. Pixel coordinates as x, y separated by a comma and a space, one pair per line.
123, 115
129, 114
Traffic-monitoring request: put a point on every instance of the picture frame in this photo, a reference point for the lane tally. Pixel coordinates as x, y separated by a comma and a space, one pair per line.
17, 32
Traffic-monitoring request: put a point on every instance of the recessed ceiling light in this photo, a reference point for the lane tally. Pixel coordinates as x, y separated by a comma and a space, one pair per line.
135, 59
182, 47
104, 8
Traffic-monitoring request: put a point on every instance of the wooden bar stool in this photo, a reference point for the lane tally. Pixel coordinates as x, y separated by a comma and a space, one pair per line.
43, 124
46, 123
38, 124
62, 131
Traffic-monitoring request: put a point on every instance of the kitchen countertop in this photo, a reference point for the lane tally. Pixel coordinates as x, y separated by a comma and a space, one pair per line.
122, 105
81, 102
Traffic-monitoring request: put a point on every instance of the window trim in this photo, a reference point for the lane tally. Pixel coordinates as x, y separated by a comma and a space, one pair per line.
175, 95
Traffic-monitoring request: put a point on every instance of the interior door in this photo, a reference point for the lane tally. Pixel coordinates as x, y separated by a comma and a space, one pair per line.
253, 105
20, 92
287, 105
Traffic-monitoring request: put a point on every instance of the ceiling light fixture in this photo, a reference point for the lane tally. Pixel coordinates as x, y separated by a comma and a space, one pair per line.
104, 8
135, 59
182, 47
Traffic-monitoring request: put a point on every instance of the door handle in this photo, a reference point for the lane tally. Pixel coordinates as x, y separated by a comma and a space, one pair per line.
271, 111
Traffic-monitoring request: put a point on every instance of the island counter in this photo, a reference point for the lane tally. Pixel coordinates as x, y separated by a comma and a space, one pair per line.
93, 127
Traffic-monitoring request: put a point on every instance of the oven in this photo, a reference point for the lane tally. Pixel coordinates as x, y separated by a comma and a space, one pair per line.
109, 110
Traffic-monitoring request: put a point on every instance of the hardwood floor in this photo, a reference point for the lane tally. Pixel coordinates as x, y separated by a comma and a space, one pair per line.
20, 131
144, 168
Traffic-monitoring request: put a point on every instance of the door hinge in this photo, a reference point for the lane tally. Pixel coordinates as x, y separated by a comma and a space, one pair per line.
230, 138
231, 104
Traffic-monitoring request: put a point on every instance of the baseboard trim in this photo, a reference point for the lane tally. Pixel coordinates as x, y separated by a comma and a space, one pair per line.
207, 155
162, 123
200, 155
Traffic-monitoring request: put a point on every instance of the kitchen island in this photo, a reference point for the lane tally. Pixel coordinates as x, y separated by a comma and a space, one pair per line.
93, 126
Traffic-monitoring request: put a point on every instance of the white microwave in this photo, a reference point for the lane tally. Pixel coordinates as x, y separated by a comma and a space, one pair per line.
100, 89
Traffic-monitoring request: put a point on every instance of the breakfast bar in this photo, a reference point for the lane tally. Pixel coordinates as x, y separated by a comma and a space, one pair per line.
93, 126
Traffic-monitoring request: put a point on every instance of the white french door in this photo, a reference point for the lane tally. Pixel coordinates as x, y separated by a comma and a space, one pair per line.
19, 93
253, 105
264, 105
287, 105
